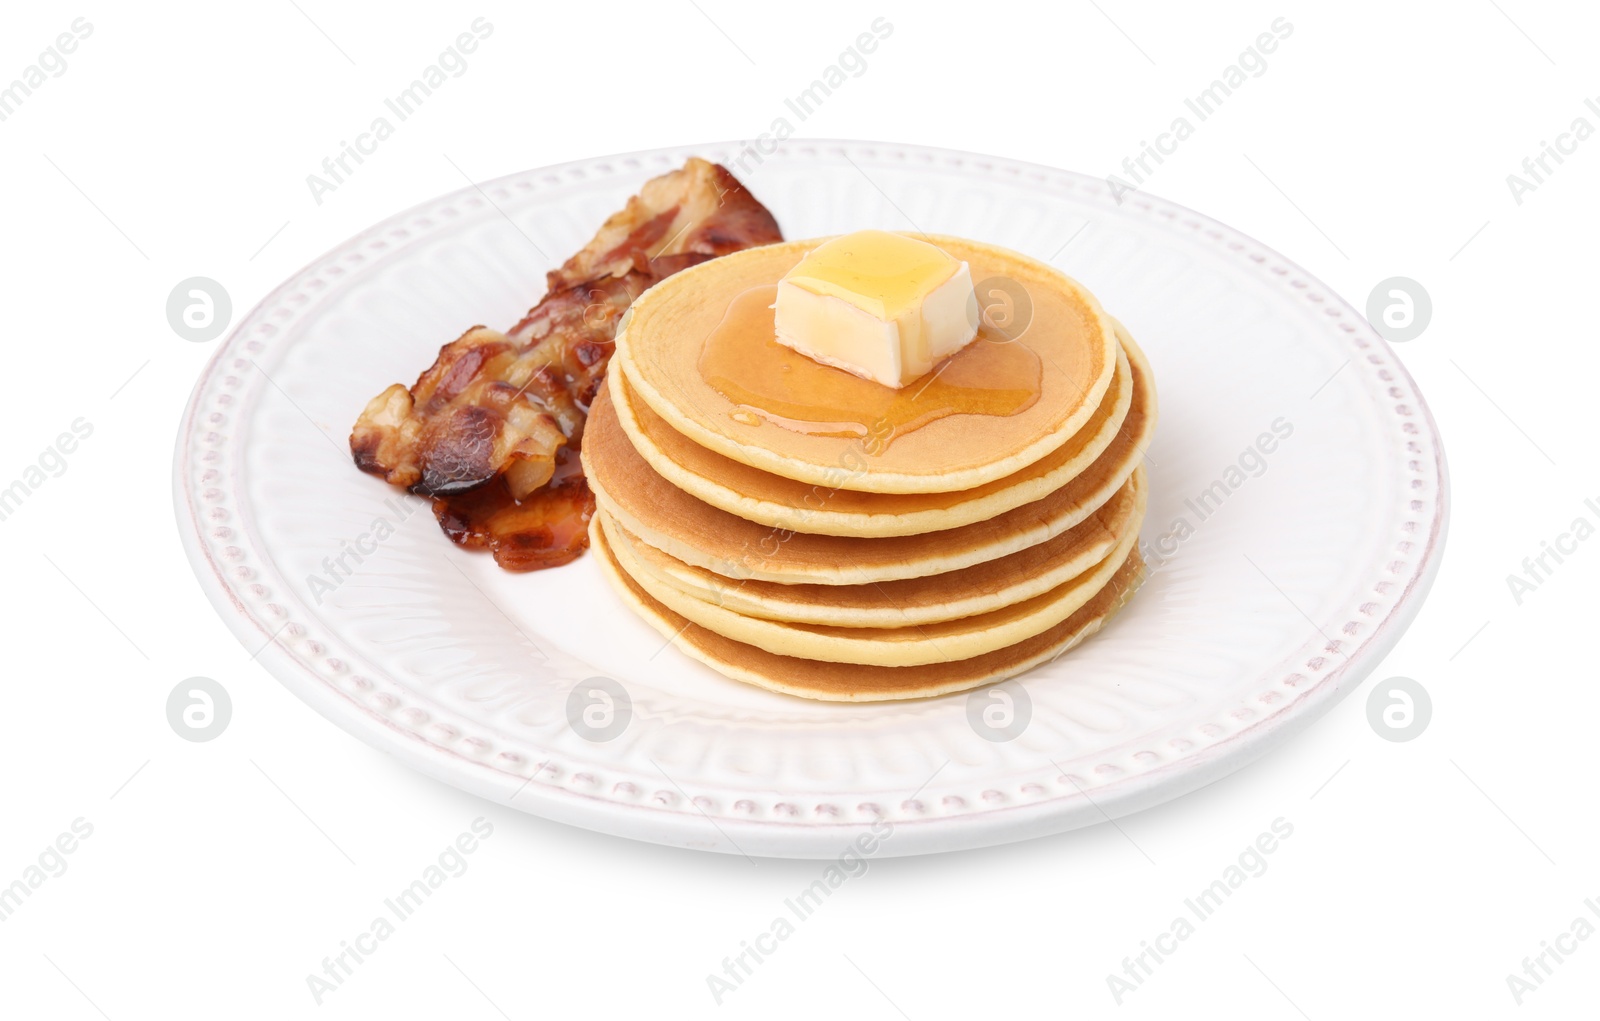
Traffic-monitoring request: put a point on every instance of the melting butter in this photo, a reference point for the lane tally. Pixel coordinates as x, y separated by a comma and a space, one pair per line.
884, 306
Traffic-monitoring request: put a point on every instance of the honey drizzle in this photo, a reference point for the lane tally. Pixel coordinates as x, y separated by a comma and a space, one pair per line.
768, 382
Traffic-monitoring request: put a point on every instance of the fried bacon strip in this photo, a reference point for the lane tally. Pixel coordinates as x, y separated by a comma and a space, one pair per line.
491, 429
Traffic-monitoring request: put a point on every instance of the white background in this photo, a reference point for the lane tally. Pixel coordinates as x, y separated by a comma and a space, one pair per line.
178, 142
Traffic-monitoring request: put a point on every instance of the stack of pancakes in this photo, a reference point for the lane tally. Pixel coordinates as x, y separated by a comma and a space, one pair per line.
961, 551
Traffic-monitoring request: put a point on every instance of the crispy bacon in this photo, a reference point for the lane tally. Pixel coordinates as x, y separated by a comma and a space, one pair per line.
491, 429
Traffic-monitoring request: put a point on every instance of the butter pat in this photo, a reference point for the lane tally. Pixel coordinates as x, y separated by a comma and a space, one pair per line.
884, 306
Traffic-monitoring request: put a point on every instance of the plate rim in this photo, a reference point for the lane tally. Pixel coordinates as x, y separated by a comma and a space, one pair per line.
683, 826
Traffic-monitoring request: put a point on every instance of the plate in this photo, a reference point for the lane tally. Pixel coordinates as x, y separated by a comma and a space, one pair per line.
1297, 514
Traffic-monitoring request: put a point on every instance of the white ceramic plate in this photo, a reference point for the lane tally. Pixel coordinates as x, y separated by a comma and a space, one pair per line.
1288, 582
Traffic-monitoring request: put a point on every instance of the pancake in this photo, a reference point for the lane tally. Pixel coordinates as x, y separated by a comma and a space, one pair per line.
664, 516
919, 645
909, 602
773, 500
840, 682
1069, 341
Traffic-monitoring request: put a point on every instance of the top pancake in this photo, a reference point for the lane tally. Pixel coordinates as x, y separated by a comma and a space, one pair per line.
664, 333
